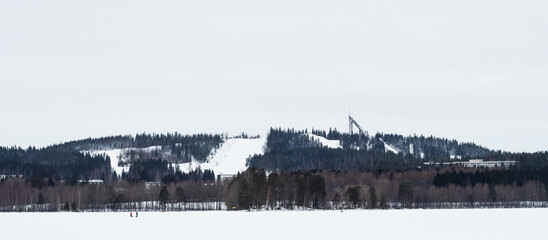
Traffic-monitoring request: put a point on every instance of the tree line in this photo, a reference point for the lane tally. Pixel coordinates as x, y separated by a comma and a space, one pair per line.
512, 176
331, 159
17, 195
255, 189
156, 170
383, 189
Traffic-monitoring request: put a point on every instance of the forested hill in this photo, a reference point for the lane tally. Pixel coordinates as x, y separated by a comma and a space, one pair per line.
175, 147
432, 148
141, 141
293, 150
285, 150
52, 164
305, 169
72, 160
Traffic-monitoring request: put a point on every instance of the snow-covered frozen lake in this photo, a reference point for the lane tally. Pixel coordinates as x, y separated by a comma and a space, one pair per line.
356, 224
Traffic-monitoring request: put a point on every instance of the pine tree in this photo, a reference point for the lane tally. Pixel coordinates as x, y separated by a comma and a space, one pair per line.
40, 198
51, 183
245, 196
74, 206
406, 193
163, 196
383, 204
118, 200
352, 195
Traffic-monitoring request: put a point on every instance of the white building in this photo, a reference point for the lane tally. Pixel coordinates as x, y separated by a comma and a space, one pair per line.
149, 185
92, 181
223, 177
489, 164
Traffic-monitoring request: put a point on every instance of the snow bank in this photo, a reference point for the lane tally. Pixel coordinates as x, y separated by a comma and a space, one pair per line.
469, 224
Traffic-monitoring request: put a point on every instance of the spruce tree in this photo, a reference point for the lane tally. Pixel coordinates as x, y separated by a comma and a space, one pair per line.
383, 204
74, 206
40, 198
353, 197
245, 195
406, 193
163, 196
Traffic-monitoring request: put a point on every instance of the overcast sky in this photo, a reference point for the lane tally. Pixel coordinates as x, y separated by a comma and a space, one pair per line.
468, 70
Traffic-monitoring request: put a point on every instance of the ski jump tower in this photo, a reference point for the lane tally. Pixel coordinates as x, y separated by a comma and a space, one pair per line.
351, 123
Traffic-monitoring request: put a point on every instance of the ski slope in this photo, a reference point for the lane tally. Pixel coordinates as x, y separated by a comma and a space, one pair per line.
452, 224
324, 141
230, 158
116, 155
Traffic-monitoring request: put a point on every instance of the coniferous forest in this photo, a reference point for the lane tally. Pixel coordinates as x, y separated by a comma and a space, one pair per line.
294, 172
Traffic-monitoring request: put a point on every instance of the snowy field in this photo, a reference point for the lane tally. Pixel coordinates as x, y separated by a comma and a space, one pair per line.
355, 224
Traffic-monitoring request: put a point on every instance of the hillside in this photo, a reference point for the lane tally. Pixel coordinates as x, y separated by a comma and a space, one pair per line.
279, 150
293, 150
287, 168
230, 157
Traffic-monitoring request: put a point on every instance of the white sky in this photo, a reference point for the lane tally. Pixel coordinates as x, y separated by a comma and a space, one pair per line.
470, 70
